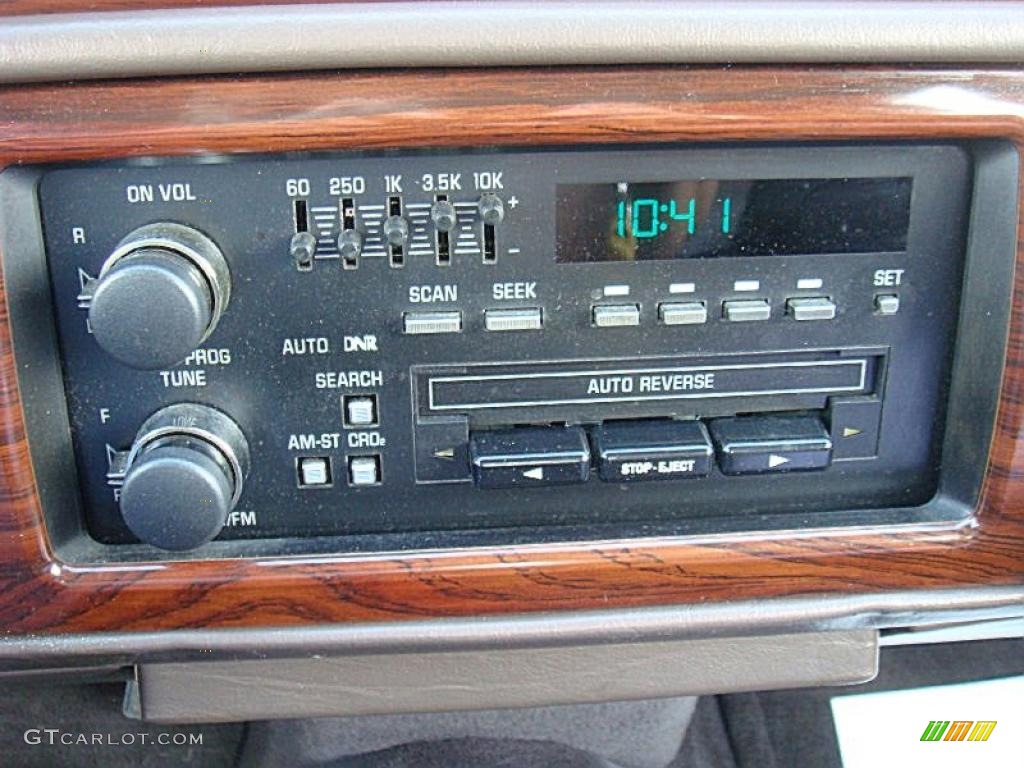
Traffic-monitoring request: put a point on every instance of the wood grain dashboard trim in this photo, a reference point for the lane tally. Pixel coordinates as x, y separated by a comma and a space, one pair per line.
370, 110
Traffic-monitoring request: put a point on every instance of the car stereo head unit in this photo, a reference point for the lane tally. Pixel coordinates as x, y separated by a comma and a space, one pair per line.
536, 343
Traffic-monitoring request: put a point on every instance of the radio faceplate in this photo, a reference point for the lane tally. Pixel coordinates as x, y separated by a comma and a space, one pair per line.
410, 343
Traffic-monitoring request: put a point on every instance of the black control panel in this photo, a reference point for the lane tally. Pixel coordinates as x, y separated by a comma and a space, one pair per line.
340, 345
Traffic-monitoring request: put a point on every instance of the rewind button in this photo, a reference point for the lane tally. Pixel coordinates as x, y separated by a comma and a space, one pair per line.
529, 457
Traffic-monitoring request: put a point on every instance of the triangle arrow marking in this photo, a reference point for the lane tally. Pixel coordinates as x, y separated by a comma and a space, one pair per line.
776, 461
537, 473
851, 432
444, 453
83, 278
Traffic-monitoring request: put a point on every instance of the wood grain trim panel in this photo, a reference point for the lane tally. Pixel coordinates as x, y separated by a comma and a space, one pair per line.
432, 108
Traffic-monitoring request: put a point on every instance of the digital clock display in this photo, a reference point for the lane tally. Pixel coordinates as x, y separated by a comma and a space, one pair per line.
629, 221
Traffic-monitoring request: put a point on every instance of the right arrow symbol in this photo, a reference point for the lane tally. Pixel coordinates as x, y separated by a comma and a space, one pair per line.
537, 473
776, 461
850, 432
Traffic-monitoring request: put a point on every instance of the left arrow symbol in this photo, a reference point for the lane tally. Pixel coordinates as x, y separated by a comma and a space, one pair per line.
537, 473
444, 453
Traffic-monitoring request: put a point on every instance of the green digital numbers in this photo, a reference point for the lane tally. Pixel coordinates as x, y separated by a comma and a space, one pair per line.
647, 217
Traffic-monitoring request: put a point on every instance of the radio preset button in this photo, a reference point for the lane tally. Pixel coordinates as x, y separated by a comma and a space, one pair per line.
811, 308
746, 310
683, 313
421, 323
632, 451
521, 319
616, 315
761, 444
530, 456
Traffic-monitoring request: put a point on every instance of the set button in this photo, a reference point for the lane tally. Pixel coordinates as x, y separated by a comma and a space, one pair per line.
887, 303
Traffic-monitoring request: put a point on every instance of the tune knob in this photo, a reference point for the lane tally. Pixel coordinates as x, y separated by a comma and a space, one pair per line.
158, 296
183, 477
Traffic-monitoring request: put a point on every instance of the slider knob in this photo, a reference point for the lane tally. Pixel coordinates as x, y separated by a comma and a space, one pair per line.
158, 296
396, 230
492, 209
302, 248
184, 476
350, 243
443, 214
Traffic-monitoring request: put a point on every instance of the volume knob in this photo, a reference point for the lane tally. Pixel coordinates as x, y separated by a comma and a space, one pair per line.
184, 476
158, 296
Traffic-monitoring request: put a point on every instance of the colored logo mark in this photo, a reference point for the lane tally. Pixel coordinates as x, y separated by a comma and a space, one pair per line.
958, 730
